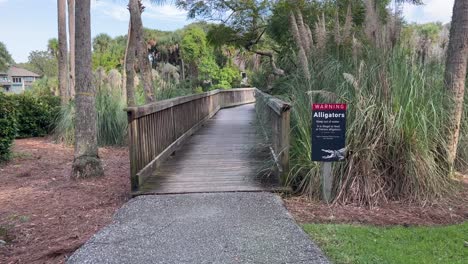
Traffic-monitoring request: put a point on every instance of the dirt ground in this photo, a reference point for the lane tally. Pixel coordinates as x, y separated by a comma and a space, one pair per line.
45, 216
449, 211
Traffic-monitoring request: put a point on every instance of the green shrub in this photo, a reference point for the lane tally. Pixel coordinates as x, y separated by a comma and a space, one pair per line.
395, 131
35, 114
8, 126
111, 119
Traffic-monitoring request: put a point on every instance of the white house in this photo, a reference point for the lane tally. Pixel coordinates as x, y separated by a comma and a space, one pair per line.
17, 80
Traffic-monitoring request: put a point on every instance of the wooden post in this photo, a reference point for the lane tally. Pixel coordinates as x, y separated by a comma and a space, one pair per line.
284, 144
132, 141
327, 181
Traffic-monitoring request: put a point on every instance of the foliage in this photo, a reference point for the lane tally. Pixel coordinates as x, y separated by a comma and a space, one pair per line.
227, 77
8, 126
111, 119
194, 45
202, 58
395, 129
35, 114
52, 47
45, 86
5, 58
370, 244
461, 163
42, 63
108, 52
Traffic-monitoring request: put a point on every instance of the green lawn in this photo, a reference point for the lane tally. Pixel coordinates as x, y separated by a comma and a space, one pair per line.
369, 244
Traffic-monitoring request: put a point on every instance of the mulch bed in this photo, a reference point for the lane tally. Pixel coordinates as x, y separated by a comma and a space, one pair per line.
451, 210
44, 215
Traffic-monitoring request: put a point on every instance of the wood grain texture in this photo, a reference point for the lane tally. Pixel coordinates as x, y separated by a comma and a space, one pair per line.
214, 151
226, 154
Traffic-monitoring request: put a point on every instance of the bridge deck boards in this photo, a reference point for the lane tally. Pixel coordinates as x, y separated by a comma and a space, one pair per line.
226, 154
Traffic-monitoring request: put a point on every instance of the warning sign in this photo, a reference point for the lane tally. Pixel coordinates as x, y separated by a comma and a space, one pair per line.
328, 132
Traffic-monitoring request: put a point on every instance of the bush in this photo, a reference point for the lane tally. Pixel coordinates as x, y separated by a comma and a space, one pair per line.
395, 129
35, 114
111, 119
8, 126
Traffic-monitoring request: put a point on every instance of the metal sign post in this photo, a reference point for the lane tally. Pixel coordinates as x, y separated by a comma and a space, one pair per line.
328, 140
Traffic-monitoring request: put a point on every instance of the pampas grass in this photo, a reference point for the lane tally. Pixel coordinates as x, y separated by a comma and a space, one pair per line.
395, 135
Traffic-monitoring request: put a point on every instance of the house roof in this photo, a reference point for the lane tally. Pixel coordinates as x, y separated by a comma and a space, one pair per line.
16, 71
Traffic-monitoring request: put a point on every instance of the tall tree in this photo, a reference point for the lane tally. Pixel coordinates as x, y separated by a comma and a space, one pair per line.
71, 33
102, 42
62, 50
5, 58
124, 68
129, 69
244, 27
136, 8
42, 63
455, 74
86, 161
52, 47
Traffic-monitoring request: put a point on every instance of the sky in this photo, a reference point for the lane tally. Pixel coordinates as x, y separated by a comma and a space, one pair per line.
27, 25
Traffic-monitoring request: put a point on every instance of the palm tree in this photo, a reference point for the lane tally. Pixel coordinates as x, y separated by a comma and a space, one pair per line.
455, 74
137, 49
136, 31
62, 50
102, 42
71, 33
52, 47
86, 161
129, 68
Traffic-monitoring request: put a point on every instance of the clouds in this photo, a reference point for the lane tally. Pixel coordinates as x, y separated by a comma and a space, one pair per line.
117, 10
431, 11
165, 13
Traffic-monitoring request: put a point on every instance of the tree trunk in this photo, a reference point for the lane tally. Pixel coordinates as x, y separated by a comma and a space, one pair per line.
124, 68
135, 8
86, 162
182, 67
455, 74
130, 67
62, 50
71, 32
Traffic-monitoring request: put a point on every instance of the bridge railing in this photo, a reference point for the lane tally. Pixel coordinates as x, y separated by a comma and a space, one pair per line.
273, 115
156, 130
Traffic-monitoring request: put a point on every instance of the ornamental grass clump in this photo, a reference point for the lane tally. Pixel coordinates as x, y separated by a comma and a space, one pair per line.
395, 132
111, 119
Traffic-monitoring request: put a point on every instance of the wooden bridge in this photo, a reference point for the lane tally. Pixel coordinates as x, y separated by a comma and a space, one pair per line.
222, 140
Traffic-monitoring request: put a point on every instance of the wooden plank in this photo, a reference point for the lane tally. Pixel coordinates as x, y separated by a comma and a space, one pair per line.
225, 160
148, 170
226, 148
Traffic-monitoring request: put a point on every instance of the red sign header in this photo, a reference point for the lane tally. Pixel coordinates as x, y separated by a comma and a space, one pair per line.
328, 107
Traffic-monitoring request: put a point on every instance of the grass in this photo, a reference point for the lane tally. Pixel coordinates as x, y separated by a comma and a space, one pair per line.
344, 243
395, 128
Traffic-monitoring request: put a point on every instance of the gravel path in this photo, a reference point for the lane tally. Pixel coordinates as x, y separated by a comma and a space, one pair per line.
201, 228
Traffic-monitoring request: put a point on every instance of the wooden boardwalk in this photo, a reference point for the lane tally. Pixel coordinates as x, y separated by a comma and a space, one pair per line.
226, 154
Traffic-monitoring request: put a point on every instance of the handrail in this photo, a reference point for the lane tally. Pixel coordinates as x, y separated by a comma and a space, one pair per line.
156, 130
274, 118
